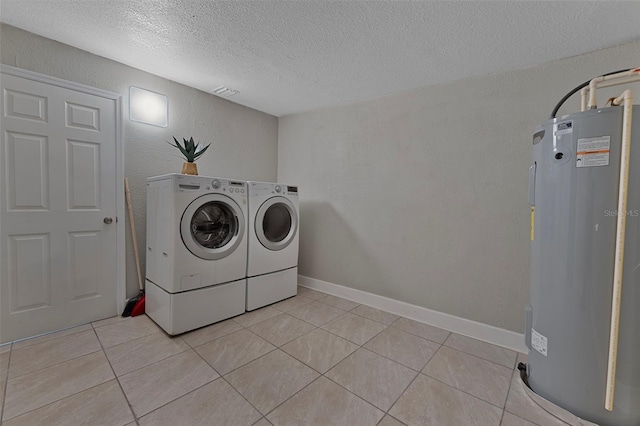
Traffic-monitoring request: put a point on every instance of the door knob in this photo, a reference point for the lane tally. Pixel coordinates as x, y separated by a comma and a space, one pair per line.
107, 220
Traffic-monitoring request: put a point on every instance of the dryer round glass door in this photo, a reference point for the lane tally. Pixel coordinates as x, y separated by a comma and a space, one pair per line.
276, 223
212, 226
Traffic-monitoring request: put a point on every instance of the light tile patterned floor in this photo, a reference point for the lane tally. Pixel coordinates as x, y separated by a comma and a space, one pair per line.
310, 360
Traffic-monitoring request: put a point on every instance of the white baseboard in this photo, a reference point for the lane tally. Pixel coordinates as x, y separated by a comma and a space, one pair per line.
487, 333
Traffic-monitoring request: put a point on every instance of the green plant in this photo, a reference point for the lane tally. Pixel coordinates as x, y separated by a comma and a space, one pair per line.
190, 149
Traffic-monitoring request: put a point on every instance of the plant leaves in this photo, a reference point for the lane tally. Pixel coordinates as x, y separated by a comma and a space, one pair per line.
182, 150
202, 151
191, 149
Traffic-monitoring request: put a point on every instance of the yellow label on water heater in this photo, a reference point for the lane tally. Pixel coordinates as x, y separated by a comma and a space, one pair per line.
533, 222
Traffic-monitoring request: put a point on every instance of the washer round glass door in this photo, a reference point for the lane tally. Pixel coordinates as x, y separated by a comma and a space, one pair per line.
276, 223
212, 226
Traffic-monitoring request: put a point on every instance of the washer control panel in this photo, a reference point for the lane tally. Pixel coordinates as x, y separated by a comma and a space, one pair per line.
208, 184
231, 186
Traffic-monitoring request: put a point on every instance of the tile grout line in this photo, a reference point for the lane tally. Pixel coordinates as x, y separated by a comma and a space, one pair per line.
155, 362
52, 365
126, 398
526, 420
455, 387
477, 357
174, 400
485, 359
508, 392
291, 298
417, 335
287, 312
317, 291
400, 396
149, 365
133, 340
543, 409
342, 309
387, 414
230, 371
260, 419
397, 362
286, 400
354, 394
373, 337
328, 378
108, 324
245, 398
212, 340
232, 387
355, 343
465, 392
288, 341
318, 326
61, 399
302, 362
6, 385
258, 322
360, 315
28, 339
58, 400
163, 359
362, 347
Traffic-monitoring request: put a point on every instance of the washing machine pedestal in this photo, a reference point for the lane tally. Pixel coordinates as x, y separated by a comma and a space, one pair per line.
181, 312
271, 288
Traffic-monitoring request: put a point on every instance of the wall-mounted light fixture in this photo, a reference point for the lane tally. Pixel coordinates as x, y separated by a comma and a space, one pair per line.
148, 107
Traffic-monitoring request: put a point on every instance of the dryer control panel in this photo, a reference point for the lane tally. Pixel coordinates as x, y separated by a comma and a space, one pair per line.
292, 189
260, 189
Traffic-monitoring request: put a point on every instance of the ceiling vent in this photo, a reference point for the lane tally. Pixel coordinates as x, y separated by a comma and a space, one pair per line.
224, 92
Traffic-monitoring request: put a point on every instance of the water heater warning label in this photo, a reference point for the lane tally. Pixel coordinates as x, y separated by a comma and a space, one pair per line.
593, 152
538, 342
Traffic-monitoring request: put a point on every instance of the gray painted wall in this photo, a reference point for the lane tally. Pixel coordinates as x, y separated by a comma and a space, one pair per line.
244, 141
422, 196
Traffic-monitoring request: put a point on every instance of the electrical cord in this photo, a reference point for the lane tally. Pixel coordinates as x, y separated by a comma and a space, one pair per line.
571, 93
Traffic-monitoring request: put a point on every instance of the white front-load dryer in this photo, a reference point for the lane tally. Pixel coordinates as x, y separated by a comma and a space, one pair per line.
272, 262
196, 250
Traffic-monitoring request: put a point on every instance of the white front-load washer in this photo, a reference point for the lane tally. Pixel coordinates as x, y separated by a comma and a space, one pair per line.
196, 250
272, 262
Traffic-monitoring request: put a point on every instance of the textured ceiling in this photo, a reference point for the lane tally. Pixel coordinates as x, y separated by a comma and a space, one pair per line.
288, 57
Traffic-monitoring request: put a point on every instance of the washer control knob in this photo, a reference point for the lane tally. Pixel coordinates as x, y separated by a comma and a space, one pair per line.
278, 188
215, 184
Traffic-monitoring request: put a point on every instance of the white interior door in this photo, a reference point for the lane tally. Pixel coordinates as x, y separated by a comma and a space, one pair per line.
58, 253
